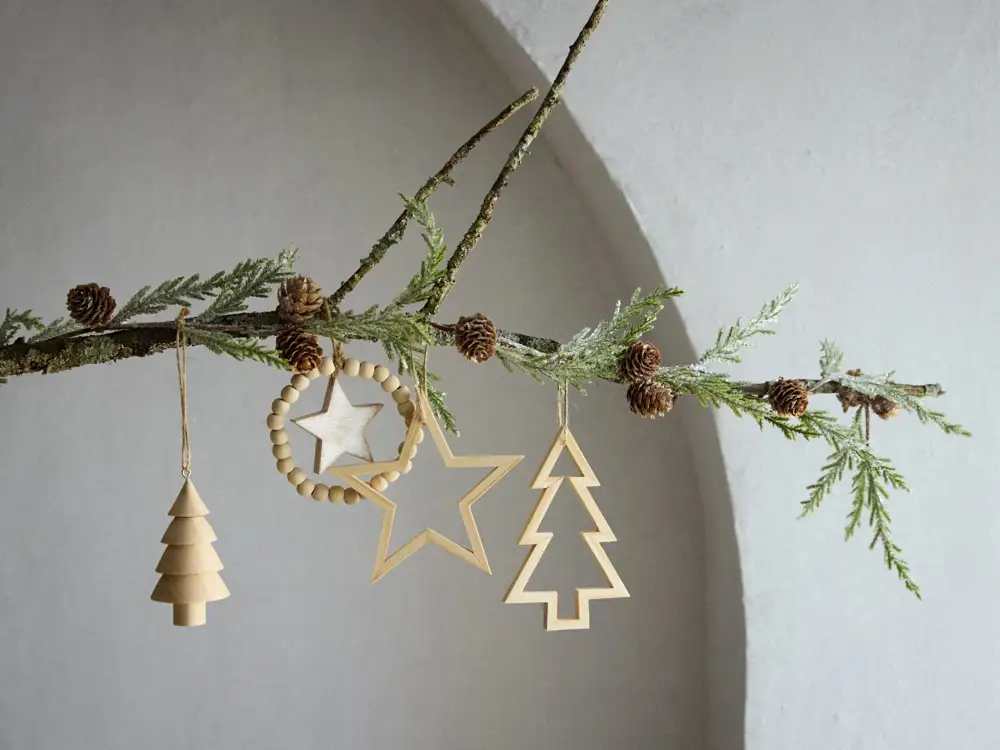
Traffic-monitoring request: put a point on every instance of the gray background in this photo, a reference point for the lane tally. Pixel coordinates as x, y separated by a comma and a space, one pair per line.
147, 139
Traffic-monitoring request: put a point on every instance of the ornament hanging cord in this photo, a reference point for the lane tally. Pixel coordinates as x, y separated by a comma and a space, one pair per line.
562, 404
182, 382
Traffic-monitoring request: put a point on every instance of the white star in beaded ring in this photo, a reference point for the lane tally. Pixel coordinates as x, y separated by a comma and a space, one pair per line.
339, 427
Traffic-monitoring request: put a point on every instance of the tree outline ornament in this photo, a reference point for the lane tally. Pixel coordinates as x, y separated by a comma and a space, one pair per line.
540, 539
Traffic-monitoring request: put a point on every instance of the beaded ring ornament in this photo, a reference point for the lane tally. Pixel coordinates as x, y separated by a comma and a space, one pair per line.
282, 449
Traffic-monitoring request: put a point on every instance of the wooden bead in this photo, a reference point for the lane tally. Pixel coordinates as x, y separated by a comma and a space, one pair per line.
280, 407
305, 488
420, 436
313, 373
300, 382
296, 477
352, 367
279, 437
390, 476
379, 482
281, 451
275, 422
411, 454
391, 383
381, 373
320, 492
336, 494
408, 468
366, 370
406, 409
401, 395
289, 394
326, 367
285, 465
351, 496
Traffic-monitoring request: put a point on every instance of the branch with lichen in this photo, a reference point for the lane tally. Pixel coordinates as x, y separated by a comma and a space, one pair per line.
611, 351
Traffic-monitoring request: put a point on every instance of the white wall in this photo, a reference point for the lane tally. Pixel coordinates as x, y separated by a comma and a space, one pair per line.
851, 147
141, 140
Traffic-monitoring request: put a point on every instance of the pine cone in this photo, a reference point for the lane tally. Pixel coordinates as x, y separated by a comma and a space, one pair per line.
884, 407
299, 298
649, 399
849, 398
300, 348
90, 304
639, 362
789, 398
476, 337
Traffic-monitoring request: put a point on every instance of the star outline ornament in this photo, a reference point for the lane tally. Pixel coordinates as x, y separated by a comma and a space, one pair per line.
541, 539
475, 554
336, 401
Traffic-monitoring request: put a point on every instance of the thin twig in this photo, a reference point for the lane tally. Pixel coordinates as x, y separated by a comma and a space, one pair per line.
552, 98
395, 232
832, 386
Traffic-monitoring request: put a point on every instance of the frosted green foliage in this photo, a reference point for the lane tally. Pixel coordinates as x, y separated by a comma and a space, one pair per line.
250, 278
730, 342
873, 478
431, 272
58, 327
16, 320
238, 348
831, 359
593, 352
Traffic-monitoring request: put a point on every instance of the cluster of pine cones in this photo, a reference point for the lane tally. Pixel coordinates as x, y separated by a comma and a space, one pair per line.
882, 406
637, 367
299, 299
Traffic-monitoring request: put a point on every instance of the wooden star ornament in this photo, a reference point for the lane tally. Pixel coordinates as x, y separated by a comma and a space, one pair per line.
339, 427
474, 554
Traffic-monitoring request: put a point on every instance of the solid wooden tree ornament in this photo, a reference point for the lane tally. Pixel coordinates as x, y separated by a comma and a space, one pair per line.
540, 539
475, 554
189, 566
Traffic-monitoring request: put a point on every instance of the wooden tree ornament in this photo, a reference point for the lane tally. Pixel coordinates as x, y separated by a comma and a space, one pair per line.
189, 568
540, 539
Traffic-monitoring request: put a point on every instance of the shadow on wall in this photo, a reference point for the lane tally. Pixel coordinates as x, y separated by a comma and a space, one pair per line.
146, 140
633, 264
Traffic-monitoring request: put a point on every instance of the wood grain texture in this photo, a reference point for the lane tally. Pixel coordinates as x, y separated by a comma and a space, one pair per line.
474, 554
540, 539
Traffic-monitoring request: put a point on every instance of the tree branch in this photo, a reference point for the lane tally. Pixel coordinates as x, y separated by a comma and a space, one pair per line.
552, 98
395, 232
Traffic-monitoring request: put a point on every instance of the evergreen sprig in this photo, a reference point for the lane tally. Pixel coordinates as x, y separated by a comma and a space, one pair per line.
729, 342
178, 292
831, 359
58, 327
873, 478
14, 321
592, 353
251, 278
431, 271
237, 347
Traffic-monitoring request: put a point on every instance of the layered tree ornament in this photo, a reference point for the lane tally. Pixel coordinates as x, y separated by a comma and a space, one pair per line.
189, 566
550, 486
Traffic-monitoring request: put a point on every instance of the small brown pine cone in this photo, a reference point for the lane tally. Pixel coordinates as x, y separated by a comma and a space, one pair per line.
90, 304
299, 298
476, 337
300, 348
649, 399
849, 398
884, 407
789, 398
855, 373
641, 361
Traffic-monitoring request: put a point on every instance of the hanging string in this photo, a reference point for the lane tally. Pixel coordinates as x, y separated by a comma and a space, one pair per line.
182, 382
562, 404
422, 388
337, 350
